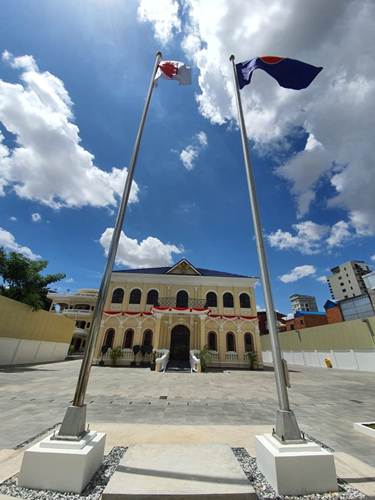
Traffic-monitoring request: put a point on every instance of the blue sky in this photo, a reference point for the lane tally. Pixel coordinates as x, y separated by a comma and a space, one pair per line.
315, 214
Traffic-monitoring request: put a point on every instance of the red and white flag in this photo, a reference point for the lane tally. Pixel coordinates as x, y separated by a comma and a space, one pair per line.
174, 70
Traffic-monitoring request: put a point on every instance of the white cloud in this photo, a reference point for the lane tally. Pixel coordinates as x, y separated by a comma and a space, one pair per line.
190, 154
311, 238
36, 217
8, 241
48, 163
298, 273
334, 111
150, 252
69, 280
322, 279
163, 14
13, 219
372, 258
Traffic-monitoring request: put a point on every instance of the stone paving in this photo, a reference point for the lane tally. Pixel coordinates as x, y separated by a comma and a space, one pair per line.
326, 402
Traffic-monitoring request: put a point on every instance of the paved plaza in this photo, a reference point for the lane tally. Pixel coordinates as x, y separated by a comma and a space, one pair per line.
326, 402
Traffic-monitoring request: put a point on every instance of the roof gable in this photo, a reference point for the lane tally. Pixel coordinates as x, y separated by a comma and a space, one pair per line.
183, 267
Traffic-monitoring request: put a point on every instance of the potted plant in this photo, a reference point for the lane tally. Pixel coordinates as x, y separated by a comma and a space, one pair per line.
115, 354
252, 357
136, 349
103, 351
205, 358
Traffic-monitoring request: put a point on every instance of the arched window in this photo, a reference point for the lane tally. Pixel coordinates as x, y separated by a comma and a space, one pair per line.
117, 296
153, 297
80, 324
212, 341
109, 338
248, 341
228, 300
231, 343
135, 296
182, 299
211, 299
128, 339
147, 338
245, 301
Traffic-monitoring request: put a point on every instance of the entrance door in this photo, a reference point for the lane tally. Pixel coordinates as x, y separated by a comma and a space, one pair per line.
180, 343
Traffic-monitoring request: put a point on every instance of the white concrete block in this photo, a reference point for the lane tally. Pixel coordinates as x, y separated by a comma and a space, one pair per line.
205, 472
62, 465
25, 352
295, 469
8, 348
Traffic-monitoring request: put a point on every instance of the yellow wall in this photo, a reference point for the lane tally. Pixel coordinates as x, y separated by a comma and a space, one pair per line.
353, 334
19, 321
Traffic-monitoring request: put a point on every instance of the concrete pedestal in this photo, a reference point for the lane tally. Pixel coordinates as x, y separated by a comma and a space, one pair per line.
295, 469
160, 472
62, 465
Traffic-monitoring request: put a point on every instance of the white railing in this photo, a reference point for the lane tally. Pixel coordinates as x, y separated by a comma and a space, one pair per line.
162, 358
126, 355
231, 356
85, 312
214, 355
195, 363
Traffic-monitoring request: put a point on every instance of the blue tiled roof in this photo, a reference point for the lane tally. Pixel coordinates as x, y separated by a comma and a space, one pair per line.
298, 314
329, 304
164, 270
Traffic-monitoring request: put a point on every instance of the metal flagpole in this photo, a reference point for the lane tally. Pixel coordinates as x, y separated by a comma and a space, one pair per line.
74, 424
286, 424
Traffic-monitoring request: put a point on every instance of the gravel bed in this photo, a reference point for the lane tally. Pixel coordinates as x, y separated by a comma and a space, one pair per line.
265, 491
92, 491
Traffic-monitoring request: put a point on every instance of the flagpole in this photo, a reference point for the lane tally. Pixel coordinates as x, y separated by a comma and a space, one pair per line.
286, 429
74, 424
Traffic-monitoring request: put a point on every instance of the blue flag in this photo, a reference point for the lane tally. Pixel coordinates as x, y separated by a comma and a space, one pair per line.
289, 73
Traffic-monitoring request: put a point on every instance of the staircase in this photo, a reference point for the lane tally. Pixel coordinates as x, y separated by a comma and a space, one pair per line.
178, 367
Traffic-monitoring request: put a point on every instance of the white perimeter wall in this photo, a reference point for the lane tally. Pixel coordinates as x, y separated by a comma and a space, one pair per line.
23, 351
344, 359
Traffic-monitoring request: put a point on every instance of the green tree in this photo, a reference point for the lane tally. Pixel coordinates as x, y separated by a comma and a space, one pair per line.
22, 281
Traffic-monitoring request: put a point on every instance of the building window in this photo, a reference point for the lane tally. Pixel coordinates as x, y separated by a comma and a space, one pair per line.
248, 341
135, 296
80, 324
81, 307
231, 343
344, 289
88, 325
109, 338
153, 297
211, 299
147, 338
128, 339
245, 301
182, 299
117, 296
228, 300
212, 341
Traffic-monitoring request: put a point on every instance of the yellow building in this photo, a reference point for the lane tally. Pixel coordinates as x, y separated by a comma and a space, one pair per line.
178, 310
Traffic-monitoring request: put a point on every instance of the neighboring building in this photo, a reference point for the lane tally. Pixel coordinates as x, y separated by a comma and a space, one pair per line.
306, 319
303, 302
333, 312
369, 280
181, 309
347, 280
78, 306
263, 324
359, 307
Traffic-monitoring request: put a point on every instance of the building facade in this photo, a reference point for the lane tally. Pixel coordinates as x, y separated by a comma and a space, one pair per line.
347, 280
303, 302
333, 312
306, 319
79, 307
179, 310
263, 322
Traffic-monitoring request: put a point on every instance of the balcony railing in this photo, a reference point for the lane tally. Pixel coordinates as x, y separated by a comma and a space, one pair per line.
171, 302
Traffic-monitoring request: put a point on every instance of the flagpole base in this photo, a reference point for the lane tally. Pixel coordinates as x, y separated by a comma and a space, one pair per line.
287, 430
62, 465
295, 468
73, 427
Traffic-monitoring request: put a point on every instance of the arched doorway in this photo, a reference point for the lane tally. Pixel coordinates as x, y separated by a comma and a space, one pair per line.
180, 343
